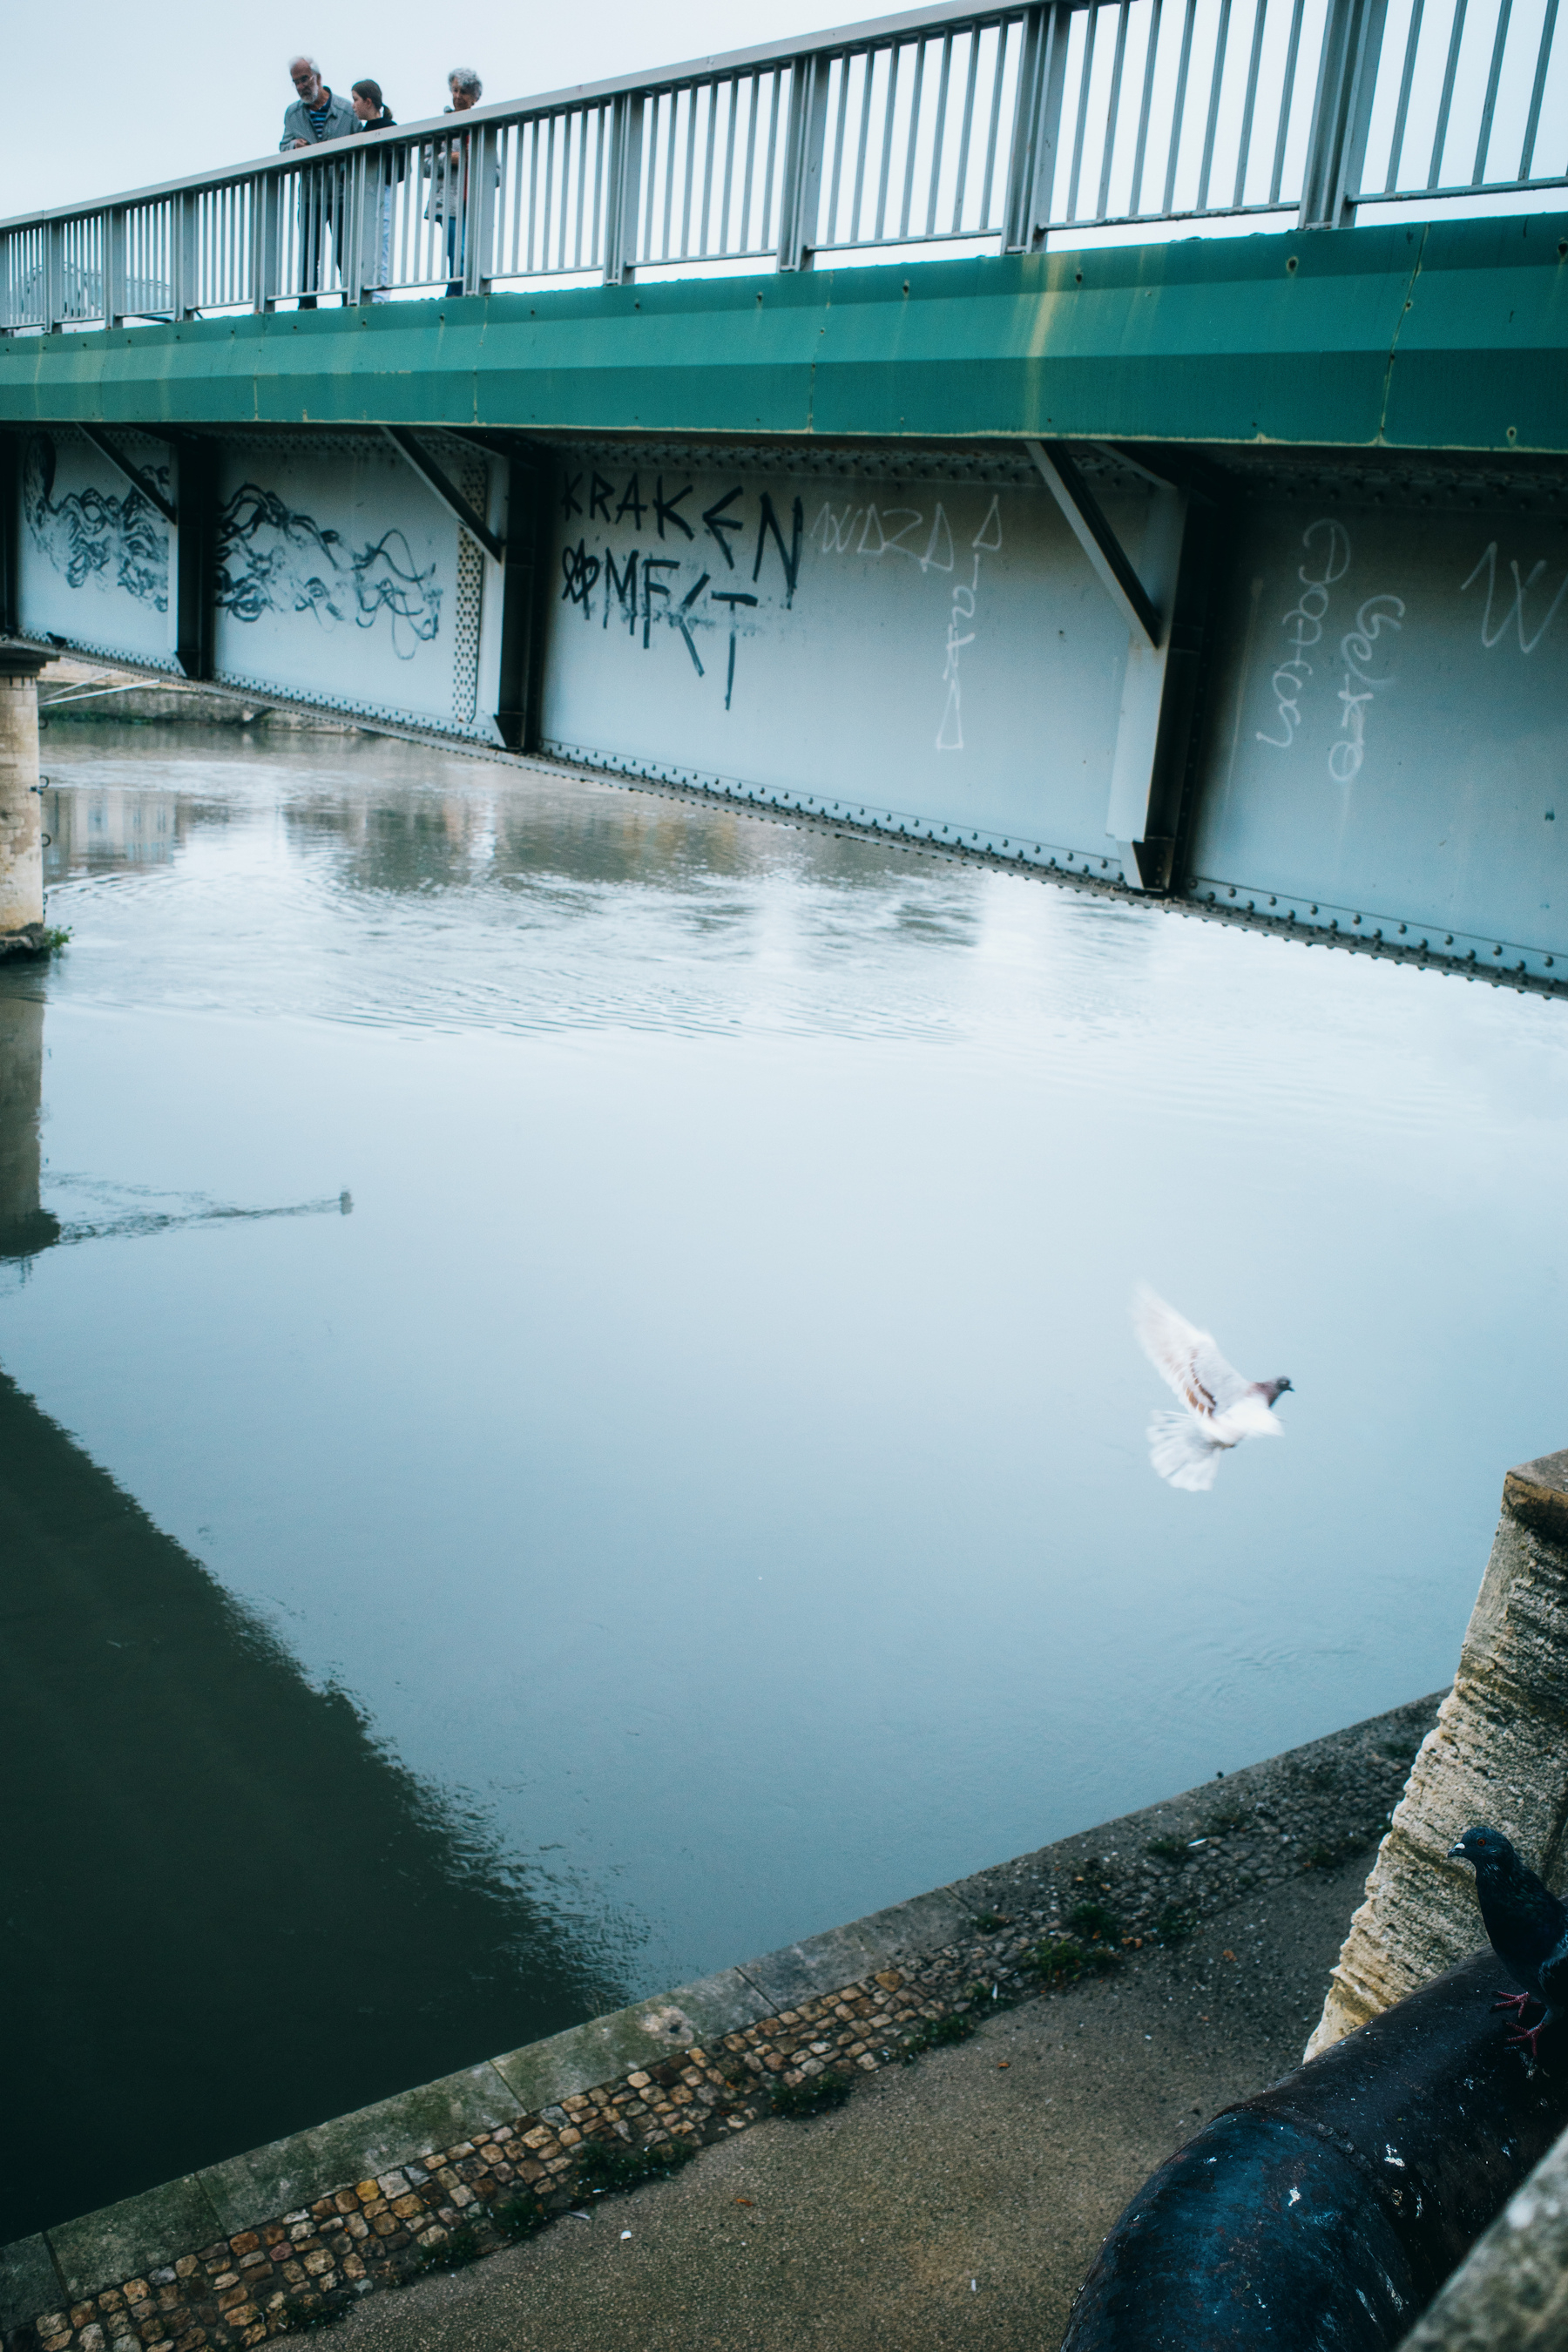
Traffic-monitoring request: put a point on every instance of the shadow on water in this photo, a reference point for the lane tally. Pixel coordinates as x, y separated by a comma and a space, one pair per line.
295, 1925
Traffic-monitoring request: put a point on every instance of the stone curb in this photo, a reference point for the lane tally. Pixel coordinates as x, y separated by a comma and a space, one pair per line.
782, 2017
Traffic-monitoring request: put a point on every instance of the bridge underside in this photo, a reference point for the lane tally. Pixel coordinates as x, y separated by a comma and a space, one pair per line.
1233, 571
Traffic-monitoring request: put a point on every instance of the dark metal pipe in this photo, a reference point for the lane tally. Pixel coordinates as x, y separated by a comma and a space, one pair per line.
1324, 2214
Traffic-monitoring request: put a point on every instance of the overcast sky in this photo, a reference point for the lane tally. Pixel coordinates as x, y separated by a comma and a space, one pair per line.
101, 98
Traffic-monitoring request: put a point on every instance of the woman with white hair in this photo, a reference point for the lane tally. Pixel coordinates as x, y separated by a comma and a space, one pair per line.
446, 166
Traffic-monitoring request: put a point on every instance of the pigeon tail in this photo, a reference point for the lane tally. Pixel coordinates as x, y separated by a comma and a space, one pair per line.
1183, 1452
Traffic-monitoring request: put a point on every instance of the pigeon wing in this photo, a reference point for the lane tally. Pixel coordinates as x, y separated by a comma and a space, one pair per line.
1183, 1452
1553, 1977
1187, 1357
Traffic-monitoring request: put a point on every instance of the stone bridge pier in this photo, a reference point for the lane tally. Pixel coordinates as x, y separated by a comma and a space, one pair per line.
21, 821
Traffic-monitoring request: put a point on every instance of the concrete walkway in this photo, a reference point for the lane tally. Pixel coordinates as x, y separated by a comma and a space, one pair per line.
958, 2201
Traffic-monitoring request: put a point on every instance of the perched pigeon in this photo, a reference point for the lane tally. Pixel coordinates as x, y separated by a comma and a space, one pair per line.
1526, 1925
1222, 1408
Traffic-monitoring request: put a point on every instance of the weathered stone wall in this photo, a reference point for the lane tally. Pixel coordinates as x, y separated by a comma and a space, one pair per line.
1498, 1753
1511, 2295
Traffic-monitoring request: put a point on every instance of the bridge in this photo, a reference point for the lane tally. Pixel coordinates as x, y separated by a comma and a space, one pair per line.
1123, 440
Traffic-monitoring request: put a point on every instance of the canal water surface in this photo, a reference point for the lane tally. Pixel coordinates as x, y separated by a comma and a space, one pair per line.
569, 1415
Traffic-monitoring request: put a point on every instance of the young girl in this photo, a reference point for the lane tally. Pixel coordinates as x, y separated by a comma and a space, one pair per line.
372, 113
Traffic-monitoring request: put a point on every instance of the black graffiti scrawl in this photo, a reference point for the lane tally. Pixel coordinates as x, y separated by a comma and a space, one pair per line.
272, 560
94, 537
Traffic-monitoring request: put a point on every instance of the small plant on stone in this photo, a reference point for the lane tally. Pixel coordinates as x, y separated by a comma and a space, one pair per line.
299, 2318
1220, 1824
1321, 1857
1166, 1849
940, 2033
813, 2095
457, 2249
1062, 1959
520, 2217
605, 2165
1172, 1927
1091, 1922
51, 941
986, 1922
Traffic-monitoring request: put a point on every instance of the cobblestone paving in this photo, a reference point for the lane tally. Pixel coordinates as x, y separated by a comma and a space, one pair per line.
1085, 1903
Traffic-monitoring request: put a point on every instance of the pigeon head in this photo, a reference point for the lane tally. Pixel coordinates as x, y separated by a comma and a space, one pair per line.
1275, 1390
1487, 1848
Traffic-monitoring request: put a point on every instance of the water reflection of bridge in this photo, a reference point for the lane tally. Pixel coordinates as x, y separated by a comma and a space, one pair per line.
1223, 572
298, 1925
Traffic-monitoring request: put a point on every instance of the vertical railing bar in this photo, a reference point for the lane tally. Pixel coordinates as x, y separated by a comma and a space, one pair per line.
1396, 146
911, 138
773, 103
1440, 135
888, 118
1087, 72
1112, 108
987, 184
1216, 82
708, 168
728, 189
671, 142
753, 106
1287, 93
597, 226
1244, 150
1178, 111
1145, 106
533, 129
865, 145
1488, 106
1527, 152
518, 167
831, 236
958, 193
939, 131
549, 192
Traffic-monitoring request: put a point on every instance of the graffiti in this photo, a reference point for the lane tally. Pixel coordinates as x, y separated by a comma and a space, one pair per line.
93, 538
272, 560
1515, 611
1308, 614
987, 541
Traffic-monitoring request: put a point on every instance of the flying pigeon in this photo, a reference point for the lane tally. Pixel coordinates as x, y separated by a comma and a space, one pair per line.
1221, 1407
1526, 1925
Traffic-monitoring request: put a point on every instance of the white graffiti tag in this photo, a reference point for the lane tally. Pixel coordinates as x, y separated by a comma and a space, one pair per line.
1378, 612
987, 539
1329, 555
1522, 588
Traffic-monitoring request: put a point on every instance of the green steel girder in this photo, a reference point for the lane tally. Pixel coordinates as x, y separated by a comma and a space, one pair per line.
1431, 336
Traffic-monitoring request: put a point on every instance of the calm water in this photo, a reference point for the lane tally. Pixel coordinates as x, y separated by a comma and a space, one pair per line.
676, 1481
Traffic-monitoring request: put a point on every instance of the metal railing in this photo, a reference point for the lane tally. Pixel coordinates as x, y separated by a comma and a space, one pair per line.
1003, 127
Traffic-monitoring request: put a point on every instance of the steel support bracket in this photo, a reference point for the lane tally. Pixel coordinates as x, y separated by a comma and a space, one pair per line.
451, 496
1105, 551
133, 474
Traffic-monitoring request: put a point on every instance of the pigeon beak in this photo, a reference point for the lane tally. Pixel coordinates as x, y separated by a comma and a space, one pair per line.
1457, 1853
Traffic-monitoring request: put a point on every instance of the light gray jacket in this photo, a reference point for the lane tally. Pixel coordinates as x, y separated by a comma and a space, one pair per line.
340, 122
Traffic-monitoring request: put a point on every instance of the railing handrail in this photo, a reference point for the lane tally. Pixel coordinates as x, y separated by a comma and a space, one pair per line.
869, 31
1009, 124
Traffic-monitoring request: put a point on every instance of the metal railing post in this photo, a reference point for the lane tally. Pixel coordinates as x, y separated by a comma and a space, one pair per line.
1037, 127
803, 136
114, 266
54, 275
478, 229
623, 208
1342, 113
266, 226
186, 255
353, 235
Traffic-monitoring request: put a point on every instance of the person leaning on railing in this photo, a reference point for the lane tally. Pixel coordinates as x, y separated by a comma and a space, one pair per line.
372, 113
445, 166
315, 116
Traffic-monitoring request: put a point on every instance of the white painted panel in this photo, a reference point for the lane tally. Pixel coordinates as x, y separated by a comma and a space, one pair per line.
944, 655
1390, 739
343, 580
94, 553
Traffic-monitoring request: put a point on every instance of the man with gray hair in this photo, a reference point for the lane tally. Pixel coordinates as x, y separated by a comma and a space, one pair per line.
447, 167
315, 116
